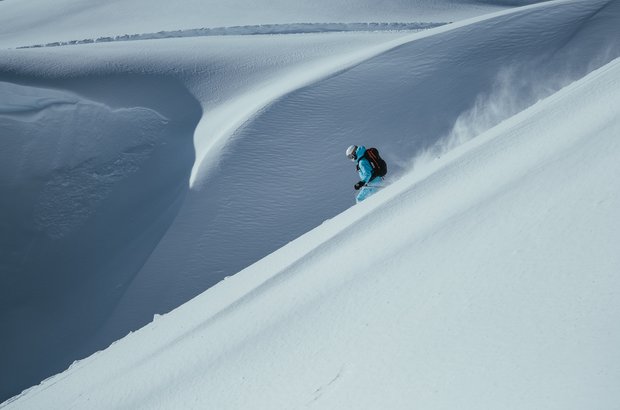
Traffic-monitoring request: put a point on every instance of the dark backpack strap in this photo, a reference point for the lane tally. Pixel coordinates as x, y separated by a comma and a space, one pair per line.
373, 164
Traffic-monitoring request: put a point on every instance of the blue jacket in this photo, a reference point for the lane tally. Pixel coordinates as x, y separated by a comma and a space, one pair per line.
363, 165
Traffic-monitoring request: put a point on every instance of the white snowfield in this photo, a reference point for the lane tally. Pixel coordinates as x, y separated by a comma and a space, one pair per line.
484, 275
494, 285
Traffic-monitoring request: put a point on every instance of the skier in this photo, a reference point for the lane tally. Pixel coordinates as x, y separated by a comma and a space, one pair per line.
371, 169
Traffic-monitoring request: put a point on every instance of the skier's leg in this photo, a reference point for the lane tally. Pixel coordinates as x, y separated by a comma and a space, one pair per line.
364, 193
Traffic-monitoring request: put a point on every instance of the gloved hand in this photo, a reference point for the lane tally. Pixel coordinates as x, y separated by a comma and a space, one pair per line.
359, 185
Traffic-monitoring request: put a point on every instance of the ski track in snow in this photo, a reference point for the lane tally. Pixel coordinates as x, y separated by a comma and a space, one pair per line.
263, 29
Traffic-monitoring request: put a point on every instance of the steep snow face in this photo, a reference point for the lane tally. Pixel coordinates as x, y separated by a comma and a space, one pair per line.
493, 285
87, 188
284, 171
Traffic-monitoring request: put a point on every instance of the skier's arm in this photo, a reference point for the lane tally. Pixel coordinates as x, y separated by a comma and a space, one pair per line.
365, 171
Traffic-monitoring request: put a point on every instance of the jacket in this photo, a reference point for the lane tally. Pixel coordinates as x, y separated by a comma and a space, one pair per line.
364, 169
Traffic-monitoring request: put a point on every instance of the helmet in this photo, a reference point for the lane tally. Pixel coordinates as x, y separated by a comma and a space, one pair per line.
351, 152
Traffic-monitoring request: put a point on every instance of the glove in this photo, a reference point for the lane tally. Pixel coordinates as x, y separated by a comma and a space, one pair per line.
359, 185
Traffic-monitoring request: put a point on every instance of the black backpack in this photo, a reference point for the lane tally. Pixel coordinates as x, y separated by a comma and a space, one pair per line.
379, 167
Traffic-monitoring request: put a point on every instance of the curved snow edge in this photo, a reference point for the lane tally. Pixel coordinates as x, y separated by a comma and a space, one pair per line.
217, 125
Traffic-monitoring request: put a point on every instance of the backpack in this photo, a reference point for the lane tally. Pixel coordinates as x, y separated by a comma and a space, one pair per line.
379, 167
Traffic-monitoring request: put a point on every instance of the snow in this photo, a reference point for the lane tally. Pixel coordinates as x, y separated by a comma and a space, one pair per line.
134, 178
66, 20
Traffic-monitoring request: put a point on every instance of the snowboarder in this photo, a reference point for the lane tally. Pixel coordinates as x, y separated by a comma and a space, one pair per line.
371, 169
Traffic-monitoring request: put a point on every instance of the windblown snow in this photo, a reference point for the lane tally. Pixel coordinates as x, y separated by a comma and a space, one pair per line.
192, 189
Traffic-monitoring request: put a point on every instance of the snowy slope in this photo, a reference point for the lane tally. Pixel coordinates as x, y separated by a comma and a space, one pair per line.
103, 229
494, 286
89, 192
405, 101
